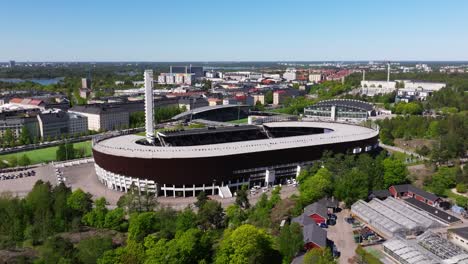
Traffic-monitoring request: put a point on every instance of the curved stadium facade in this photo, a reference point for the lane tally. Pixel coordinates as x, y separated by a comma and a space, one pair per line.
220, 160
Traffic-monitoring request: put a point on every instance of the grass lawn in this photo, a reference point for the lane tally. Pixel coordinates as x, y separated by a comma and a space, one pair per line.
46, 154
240, 121
376, 253
406, 158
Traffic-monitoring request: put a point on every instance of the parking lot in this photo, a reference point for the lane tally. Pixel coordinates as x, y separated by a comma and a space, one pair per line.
20, 186
342, 235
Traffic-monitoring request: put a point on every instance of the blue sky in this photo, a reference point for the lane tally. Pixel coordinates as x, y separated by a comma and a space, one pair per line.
237, 30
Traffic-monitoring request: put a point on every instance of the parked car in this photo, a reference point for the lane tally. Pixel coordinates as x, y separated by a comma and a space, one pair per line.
323, 225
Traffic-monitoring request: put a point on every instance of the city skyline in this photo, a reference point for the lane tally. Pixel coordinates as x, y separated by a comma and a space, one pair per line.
247, 31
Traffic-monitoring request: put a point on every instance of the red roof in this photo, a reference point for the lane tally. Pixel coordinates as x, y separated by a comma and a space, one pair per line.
16, 100
241, 97
280, 92
35, 102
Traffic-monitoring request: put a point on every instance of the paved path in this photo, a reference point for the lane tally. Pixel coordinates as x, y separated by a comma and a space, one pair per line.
398, 149
84, 176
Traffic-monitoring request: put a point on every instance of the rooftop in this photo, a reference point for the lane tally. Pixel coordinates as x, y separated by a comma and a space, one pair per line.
411, 188
96, 108
346, 102
462, 231
433, 211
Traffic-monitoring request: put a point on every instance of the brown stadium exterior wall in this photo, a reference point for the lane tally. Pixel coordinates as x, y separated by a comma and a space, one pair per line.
206, 170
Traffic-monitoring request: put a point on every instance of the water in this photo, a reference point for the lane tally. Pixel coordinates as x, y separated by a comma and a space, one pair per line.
39, 81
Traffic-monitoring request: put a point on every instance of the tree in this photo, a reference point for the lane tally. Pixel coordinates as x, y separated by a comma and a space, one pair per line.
115, 219
24, 160
91, 249
319, 256
211, 215
352, 187
97, 216
202, 198
38, 204
62, 213
290, 241
461, 188
246, 244
269, 97
56, 250
386, 137
25, 137
136, 200
259, 106
9, 138
235, 215
242, 198
395, 172
60, 154
188, 247
186, 219
141, 225
443, 179
316, 187
80, 201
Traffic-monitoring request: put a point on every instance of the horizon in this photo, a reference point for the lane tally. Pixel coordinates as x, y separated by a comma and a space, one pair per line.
249, 31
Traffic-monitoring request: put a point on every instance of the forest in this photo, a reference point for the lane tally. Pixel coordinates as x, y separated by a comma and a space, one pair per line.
44, 224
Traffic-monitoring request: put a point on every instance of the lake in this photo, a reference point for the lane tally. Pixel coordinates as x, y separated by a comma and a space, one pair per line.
39, 81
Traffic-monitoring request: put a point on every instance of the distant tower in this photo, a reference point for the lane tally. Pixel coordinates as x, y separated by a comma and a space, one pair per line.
149, 106
388, 73
363, 75
12, 63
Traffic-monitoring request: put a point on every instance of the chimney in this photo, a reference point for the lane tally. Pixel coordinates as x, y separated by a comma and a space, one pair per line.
388, 73
149, 106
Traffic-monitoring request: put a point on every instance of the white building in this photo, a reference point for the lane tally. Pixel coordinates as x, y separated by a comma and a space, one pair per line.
102, 117
431, 86
315, 77
371, 88
290, 74
176, 78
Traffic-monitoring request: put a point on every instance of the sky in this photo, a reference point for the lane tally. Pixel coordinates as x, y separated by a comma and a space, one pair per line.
233, 30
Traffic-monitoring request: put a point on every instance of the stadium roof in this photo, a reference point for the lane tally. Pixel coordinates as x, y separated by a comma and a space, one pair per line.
205, 109
213, 130
126, 146
346, 102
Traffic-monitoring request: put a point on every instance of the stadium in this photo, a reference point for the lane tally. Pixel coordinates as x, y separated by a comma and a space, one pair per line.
218, 160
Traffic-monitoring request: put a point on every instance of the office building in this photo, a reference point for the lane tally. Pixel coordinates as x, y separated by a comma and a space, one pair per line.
103, 117
53, 123
77, 124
